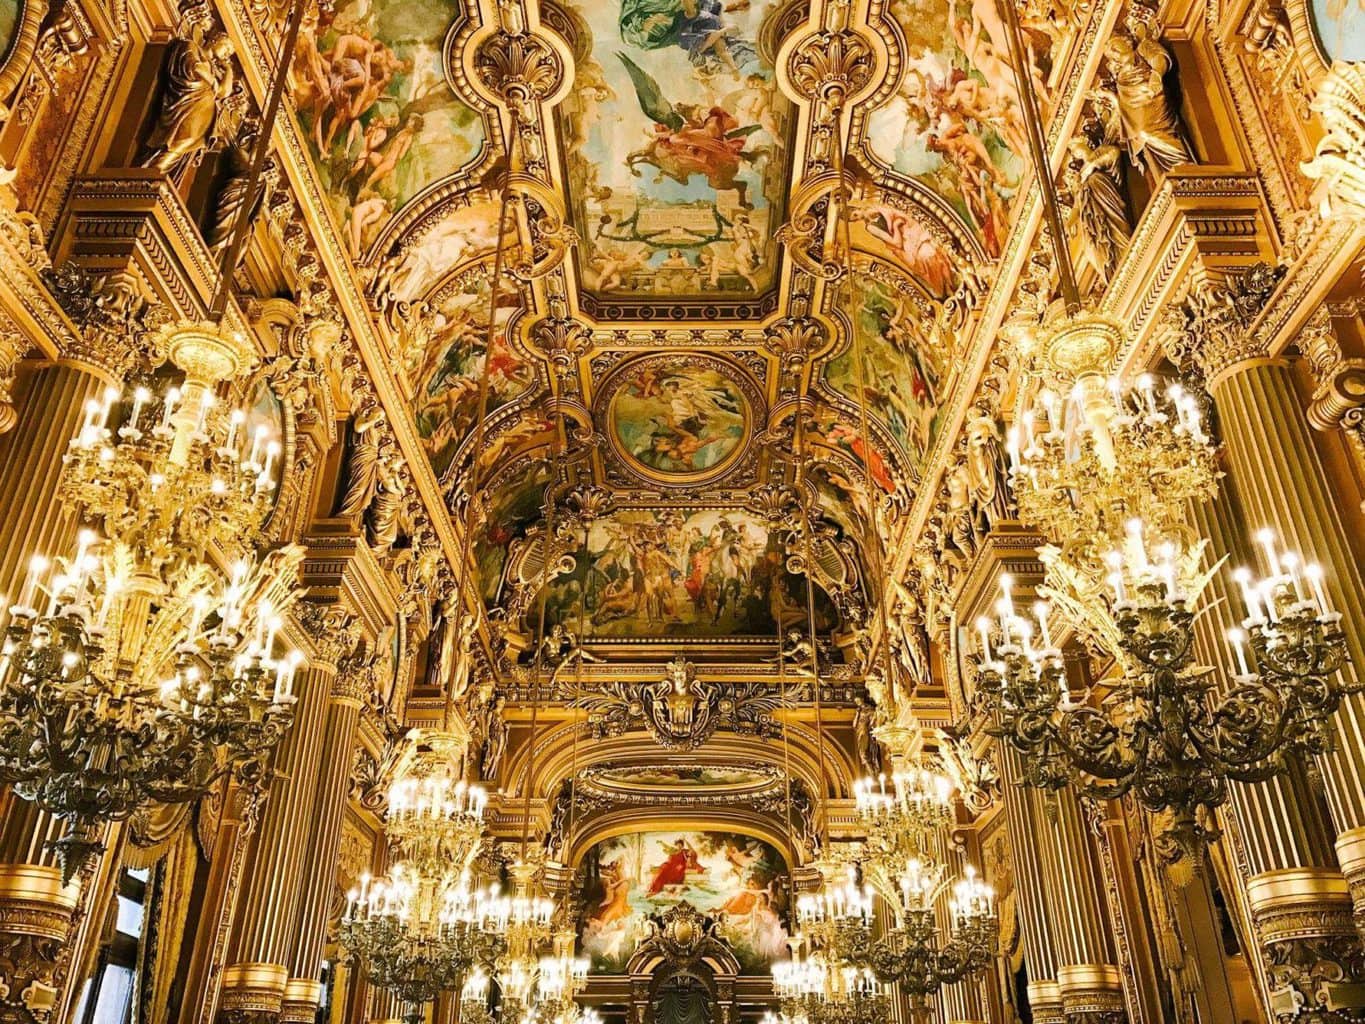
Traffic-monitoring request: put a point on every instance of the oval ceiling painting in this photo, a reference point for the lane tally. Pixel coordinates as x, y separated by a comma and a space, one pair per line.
700, 780
680, 419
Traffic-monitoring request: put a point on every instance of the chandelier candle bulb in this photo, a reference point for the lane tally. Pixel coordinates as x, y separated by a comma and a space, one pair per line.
1238, 639
1314, 573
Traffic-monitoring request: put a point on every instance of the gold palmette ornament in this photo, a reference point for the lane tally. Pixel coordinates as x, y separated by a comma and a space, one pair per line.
146, 665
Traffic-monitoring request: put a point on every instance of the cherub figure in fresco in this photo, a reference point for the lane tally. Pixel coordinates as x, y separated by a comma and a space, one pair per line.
687, 141
753, 104
696, 26
614, 265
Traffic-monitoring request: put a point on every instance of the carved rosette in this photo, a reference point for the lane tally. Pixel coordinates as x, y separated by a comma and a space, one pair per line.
1338, 165
1303, 920
35, 918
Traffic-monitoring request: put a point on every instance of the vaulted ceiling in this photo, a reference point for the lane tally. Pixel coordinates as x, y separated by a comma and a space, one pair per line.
672, 340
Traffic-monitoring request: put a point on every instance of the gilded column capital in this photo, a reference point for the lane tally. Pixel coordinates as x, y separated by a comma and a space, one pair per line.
356, 678
1209, 332
329, 631
114, 319
35, 920
1338, 401
1045, 1000
1338, 165
1303, 921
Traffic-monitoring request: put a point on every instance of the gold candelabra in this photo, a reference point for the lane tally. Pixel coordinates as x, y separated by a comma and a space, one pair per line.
1160, 731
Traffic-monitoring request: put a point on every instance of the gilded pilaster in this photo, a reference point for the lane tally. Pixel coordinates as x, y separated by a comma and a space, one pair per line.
1087, 978
1281, 483
254, 983
353, 684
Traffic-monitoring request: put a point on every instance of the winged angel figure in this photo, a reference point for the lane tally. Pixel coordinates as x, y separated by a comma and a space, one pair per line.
687, 140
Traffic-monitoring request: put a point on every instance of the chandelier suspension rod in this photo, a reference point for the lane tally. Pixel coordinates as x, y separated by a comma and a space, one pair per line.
240, 229
468, 571
1042, 168
873, 542
810, 626
787, 766
540, 628
573, 719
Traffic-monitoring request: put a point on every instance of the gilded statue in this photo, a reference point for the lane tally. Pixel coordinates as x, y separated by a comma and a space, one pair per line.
869, 750
232, 195
362, 469
987, 470
1099, 213
1139, 61
495, 739
198, 110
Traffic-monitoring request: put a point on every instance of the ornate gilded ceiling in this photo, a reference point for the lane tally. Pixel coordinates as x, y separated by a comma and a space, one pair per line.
667, 341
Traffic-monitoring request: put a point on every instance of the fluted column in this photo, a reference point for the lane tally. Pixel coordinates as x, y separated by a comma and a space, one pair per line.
1273, 826
1087, 972
50, 409
324, 842
964, 1002
254, 981
1023, 821
1302, 912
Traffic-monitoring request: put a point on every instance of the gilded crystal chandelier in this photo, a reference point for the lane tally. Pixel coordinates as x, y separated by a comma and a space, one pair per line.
145, 667
905, 822
1162, 733
420, 931
827, 979
138, 669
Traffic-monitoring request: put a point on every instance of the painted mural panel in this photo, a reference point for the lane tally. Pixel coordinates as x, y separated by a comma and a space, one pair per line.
739, 880
448, 378
9, 24
903, 374
680, 90
381, 119
688, 574
1340, 25
516, 504
955, 121
679, 420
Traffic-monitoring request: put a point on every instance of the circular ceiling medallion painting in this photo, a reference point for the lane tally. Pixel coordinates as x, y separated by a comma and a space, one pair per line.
681, 418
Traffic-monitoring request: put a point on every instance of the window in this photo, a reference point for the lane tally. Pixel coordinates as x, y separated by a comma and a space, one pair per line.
108, 994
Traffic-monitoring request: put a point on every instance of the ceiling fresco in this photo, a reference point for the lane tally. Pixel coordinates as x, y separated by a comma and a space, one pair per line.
666, 339
676, 142
689, 574
954, 122
381, 119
